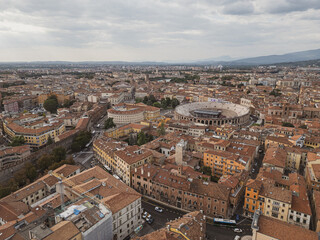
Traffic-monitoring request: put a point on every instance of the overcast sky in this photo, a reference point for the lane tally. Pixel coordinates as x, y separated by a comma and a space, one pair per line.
155, 30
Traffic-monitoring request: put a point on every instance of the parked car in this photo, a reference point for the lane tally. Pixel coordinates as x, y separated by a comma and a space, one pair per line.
145, 214
158, 209
237, 230
149, 220
237, 238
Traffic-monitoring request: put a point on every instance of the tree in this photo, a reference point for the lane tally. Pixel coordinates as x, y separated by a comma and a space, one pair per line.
44, 162
30, 171
175, 102
206, 170
164, 103
214, 179
17, 141
59, 154
145, 99
50, 141
141, 138
132, 139
157, 104
80, 141
109, 123
248, 91
152, 98
67, 103
168, 100
286, 124
139, 100
20, 178
275, 92
161, 130
51, 104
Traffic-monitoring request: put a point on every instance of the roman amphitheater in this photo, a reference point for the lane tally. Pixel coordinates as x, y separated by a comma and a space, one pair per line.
213, 113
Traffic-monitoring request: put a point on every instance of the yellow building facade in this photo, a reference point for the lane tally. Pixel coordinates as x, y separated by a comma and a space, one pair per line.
222, 162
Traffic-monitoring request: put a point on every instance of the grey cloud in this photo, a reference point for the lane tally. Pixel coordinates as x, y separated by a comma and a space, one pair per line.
155, 26
287, 6
239, 8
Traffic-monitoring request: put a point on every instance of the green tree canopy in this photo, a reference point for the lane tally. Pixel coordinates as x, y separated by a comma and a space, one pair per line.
141, 138
206, 170
161, 130
17, 141
109, 123
175, 102
30, 171
50, 141
286, 124
81, 141
59, 154
157, 104
51, 104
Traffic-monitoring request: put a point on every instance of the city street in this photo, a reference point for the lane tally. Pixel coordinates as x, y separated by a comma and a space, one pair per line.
213, 232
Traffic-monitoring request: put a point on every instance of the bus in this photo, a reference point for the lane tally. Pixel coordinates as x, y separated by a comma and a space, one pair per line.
222, 221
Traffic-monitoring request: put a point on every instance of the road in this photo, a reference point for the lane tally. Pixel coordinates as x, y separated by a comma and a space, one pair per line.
257, 164
213, 232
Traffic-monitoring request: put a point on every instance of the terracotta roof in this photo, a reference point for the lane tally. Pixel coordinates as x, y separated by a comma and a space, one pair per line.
284, 231
63, 230
15, 150
276, 193
275, 156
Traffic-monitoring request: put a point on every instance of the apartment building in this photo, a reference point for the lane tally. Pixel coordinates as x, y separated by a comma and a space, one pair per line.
104, 151
178, 188
278, 196
130, 158
35, 129
237, 184
13, 155
18, 204
275, 157
123, 202
312, 171
272, 141
223, 162
266, 228
133, 113
312, 142
316, 210
126, 130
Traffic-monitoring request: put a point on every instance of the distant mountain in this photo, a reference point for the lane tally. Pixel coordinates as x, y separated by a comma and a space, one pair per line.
288, 58
271, 59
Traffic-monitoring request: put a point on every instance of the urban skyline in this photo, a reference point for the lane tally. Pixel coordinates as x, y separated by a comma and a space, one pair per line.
155, 30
